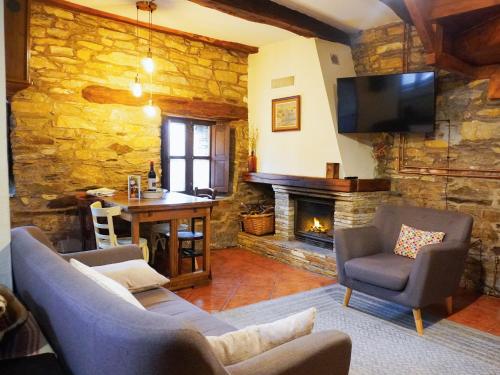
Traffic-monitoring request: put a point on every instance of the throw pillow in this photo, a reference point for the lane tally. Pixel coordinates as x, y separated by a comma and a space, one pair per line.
26, 340
411, 240
135, 275
237, 346
106, 283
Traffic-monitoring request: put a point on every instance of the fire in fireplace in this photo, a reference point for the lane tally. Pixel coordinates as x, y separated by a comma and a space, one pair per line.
314, 220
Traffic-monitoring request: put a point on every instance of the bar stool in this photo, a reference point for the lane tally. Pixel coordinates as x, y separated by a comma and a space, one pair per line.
110, 239
159, 234
191, 236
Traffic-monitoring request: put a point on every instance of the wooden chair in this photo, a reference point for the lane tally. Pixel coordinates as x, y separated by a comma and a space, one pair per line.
192, 235
109, 239
160, 234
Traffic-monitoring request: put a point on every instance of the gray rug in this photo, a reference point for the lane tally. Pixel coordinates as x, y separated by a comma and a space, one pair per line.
383, 334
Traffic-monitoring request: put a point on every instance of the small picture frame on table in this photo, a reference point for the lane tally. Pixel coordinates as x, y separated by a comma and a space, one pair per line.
134, 187
286, 114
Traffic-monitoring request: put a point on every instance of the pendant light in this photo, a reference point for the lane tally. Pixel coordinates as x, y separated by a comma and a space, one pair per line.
147, 62
136, 86
150, 109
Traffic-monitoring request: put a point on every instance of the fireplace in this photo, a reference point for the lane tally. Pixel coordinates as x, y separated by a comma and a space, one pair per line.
314, 220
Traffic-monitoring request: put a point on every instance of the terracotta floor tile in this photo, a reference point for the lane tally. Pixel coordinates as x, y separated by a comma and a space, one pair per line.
241, 277
208, 301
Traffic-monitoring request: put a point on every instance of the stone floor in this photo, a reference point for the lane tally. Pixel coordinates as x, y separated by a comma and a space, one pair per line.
241, 277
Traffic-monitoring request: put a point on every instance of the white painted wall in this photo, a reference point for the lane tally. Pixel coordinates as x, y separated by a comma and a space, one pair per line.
304, 152
5, 268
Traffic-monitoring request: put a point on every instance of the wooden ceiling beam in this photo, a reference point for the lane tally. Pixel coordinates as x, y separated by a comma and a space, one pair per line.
473, 52
273, 14
480, 45
419, 11
169, 105
450, 63
162, 29
494, 86
448, 8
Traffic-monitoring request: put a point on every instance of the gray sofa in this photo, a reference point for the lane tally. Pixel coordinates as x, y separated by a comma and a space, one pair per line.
96, 333
366, 261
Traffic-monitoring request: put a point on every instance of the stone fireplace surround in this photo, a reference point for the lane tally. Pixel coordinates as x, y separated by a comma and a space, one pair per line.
351, 209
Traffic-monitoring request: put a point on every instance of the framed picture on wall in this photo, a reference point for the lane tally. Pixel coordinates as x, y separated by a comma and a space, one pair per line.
286, 114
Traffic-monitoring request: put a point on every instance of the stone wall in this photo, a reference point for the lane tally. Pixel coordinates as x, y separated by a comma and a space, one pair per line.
62, 143
474, 141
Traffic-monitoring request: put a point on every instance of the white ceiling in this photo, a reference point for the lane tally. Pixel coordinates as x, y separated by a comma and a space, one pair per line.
349, 15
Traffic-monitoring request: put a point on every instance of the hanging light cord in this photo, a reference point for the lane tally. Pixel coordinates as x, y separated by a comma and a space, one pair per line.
150, 40
137, 40
150, 24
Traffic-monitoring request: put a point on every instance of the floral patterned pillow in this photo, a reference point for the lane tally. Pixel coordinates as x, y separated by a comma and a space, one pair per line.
411, 240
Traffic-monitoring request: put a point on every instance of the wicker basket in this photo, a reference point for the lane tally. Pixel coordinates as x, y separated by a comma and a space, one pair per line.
258, 224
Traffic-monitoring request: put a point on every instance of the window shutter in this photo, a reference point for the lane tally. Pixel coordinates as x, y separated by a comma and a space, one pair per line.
219, 169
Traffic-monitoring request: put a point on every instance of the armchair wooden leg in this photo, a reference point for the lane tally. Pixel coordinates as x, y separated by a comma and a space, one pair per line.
347, 296
417, 315
449, 305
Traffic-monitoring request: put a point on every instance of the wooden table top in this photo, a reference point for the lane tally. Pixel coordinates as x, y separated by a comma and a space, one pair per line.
172, 201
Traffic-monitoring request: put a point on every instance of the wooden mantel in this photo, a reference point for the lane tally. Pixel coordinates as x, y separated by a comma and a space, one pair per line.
330, 184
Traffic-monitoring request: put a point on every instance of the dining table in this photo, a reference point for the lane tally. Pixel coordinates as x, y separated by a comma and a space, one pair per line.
172, 207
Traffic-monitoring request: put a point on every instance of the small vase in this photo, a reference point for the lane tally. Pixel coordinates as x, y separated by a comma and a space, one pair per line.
252, 163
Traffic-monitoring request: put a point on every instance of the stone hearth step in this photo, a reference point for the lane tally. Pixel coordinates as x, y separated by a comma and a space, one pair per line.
299, 254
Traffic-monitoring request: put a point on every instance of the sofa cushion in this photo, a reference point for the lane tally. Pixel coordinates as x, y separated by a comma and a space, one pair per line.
385, 270
248, 342
163, 301
106, 283
136, 275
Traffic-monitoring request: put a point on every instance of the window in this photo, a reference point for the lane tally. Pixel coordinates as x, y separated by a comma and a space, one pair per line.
195, 153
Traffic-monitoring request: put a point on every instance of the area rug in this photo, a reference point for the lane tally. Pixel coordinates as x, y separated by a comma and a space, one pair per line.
383, 334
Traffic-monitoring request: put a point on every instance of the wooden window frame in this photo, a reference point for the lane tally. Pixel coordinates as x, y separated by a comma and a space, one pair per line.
189, 157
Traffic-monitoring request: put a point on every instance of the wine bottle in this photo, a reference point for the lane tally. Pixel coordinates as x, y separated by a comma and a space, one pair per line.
152, 177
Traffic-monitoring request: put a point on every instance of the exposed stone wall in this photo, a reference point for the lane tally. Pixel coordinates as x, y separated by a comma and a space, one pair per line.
475, 141
62, 143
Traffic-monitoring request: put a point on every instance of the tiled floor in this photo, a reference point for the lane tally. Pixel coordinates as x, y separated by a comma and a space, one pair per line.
241, 277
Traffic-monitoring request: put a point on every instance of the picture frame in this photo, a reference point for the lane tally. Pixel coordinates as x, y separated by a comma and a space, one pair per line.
134, 187
286, 114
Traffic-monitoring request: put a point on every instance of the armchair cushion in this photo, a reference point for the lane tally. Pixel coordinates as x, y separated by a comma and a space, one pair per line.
384, 270
412, 239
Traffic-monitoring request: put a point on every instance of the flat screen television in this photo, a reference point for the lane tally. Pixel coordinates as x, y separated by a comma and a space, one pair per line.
387, 103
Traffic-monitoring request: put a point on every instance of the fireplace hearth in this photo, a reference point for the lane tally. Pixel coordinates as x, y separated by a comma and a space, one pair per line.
314, 220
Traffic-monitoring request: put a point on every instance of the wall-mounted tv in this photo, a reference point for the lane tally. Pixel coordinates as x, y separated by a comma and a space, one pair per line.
387, 103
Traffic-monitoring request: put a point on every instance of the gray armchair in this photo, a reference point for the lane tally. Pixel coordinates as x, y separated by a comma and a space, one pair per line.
366, 262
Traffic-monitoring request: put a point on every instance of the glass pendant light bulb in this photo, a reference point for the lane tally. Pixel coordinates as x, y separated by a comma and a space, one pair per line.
149, 109
148, 63
136, 87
